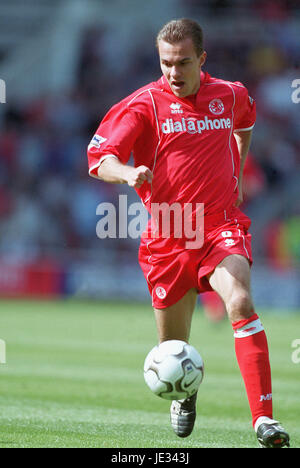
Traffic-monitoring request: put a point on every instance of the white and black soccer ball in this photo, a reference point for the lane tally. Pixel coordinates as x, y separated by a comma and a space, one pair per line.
173, 370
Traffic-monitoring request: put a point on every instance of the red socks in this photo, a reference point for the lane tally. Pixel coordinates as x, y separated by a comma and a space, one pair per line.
252, 354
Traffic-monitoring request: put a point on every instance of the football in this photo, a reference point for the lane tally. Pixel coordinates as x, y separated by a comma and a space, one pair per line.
173, 370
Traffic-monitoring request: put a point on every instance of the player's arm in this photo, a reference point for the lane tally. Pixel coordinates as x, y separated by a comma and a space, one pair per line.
113, 171
243, 139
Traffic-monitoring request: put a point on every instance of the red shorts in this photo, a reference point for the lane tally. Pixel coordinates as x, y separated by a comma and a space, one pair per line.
172, 270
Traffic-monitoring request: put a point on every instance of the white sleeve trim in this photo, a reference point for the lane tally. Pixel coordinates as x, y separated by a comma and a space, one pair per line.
100, 162
243, 129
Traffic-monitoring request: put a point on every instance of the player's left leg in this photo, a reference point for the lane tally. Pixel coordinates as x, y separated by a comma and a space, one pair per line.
231, 279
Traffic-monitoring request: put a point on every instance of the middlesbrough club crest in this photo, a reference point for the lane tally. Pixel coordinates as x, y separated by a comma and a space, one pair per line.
161, 292
216, 106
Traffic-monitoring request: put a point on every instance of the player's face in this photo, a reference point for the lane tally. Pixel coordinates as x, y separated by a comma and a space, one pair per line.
181, 66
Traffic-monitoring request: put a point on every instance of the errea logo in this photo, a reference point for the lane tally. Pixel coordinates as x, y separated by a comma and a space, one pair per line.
176, 108
229, 242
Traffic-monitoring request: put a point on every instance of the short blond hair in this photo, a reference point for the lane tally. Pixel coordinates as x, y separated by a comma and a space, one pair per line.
178, 30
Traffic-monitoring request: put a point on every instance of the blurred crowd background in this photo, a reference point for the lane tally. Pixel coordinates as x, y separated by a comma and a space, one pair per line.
65, 63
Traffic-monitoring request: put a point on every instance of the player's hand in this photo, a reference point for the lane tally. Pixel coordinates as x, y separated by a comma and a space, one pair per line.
138, 175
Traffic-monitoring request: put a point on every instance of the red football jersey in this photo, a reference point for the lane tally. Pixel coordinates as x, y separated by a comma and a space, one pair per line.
188, 143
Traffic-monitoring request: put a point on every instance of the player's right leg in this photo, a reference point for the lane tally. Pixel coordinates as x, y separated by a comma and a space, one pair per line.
174, 323
172, 277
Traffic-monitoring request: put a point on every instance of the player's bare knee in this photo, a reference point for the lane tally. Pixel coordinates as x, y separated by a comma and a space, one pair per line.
240, 306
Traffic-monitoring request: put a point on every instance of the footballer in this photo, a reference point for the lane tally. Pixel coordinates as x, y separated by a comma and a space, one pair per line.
189, 134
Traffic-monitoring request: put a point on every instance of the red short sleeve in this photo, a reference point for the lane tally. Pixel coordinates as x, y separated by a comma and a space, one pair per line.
245, 108
116, 135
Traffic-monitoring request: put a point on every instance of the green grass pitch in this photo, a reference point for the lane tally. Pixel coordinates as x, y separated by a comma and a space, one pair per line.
74, 378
